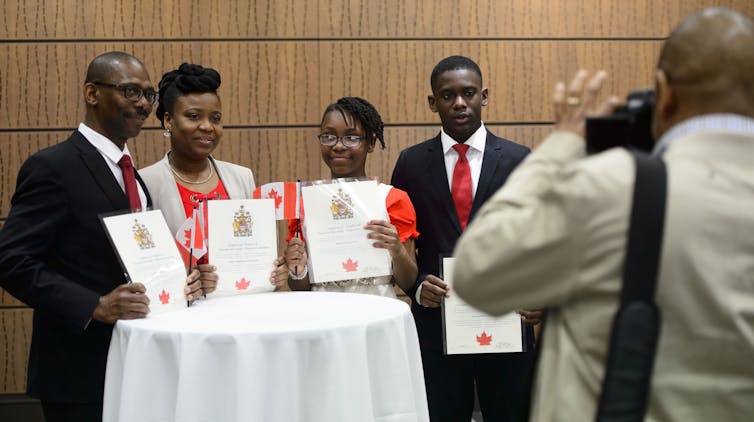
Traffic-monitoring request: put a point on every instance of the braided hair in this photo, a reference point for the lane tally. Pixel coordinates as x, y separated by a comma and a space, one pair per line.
362, 111
188, 78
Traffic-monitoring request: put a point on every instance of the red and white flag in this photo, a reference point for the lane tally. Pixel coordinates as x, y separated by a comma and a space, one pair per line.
191, 234
286, 195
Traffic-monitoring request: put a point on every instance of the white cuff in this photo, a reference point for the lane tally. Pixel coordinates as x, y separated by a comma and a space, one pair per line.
299, 277
419, 294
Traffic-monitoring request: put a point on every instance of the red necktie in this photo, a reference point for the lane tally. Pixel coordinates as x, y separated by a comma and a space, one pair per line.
461, 185
129, 180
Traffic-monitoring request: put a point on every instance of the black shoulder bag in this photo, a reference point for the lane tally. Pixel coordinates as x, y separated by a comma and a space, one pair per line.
636, 327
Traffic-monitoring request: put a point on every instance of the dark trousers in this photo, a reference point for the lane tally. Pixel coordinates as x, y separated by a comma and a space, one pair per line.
72, 412
503, 384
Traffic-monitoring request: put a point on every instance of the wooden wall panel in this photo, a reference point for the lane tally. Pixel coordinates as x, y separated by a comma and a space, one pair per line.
520, 75
157, 19
263, 83
15, 337
287, 19
290, 83
507, 19
14, 149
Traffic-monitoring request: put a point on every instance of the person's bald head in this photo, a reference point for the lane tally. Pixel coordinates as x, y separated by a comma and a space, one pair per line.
102, 66
708, 65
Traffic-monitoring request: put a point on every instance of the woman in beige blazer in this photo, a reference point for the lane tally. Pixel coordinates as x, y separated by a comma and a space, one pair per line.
191, 114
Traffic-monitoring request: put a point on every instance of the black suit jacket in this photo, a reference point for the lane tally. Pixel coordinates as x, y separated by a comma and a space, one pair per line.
55, 257
420, 171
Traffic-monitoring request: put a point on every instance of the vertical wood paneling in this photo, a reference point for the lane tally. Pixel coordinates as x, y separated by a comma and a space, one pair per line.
15, 337
296, 19
14, 149
263, 83
520, 75
157, 19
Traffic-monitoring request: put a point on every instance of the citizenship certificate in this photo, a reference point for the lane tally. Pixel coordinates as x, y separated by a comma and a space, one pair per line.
148, 253
468, 330
242, 240
336, 240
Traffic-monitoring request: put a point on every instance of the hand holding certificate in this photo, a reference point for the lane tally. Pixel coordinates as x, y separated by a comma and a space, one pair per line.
339, 248
467, 330
147, 252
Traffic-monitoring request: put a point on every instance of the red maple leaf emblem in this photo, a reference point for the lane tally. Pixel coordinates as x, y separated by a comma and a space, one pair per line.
484, 339
242, 284
274, 195
187, 236
350, 266
164, 297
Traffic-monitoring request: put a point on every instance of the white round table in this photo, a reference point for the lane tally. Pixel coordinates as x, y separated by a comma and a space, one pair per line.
299, 356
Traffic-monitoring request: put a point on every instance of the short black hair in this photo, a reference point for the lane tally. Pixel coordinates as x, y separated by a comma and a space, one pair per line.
187, 79
102, 66
453, 63
362, 111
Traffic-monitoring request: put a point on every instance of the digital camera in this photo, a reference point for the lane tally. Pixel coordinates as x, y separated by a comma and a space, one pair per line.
629, 126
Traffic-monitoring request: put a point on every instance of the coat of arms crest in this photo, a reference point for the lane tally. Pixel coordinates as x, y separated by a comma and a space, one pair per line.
242, 223
341, 206
142, 236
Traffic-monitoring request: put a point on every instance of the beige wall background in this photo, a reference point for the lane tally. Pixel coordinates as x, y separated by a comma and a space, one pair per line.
283, 61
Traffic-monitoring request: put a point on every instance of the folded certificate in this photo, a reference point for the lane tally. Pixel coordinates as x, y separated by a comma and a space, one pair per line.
148, 254
242, 238
468, 330
337, 242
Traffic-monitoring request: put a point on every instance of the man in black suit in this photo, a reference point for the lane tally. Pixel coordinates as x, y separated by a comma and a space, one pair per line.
428, 173
54, 253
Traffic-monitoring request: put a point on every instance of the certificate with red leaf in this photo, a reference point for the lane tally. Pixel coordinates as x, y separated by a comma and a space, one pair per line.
242, 240
336, 212
469, 330
148, 254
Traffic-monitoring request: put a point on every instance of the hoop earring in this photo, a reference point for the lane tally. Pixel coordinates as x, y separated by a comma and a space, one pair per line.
167, 134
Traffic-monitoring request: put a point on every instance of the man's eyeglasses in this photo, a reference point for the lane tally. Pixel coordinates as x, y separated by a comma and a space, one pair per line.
133, 92
349, 141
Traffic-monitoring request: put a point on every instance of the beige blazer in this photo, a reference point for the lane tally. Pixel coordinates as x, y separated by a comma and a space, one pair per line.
238, 182
554, 236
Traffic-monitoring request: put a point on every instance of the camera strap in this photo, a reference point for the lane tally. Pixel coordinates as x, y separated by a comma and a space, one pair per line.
636, 326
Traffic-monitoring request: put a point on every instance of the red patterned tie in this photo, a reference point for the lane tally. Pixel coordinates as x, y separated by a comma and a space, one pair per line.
129, 180
461, 185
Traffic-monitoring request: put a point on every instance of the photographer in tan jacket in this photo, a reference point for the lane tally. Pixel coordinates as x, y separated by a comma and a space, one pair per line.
555, 234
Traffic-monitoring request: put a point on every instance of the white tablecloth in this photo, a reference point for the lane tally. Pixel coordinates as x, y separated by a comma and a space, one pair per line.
286, 357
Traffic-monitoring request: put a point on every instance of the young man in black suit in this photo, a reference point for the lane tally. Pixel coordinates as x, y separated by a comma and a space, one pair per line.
54, 253
448, 178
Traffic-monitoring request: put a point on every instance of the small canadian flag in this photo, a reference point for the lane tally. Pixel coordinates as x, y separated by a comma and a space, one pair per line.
191, 233
286, 195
